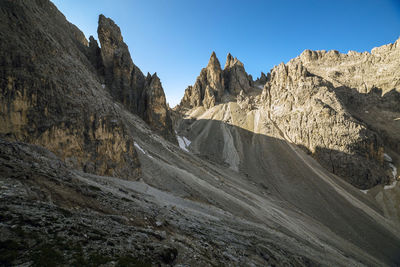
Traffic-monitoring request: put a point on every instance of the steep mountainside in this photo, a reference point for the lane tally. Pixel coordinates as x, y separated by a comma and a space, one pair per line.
127, 84
52, 95
91, 172
352, 132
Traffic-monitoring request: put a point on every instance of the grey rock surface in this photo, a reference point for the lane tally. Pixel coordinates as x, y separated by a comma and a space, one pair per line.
127, 84
215, 85
86, 179
48, 86
319, 102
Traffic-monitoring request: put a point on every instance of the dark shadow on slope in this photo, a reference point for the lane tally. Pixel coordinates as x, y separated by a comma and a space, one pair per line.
288, 174
379, 112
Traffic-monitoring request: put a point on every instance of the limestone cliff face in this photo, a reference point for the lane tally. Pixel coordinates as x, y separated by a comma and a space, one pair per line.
343, 109
208, 88
127, 84
235, 76
308, 112
157, 114
213, 84
361, 71
52, 96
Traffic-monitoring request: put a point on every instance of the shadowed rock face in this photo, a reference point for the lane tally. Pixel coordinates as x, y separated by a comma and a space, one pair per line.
126, 82
235, 76
48, 87
157, 114
54, 89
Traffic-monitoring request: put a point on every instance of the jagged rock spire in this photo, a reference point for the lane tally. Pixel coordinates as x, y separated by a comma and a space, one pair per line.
213, 82
214, 62
141, 95
235, 76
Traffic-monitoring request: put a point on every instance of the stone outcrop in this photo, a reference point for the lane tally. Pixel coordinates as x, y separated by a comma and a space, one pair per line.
127, 84
262, 80
343, 109
361, 71
214, 84
308, 112
53, 93
208, 88
235, 77
156, 112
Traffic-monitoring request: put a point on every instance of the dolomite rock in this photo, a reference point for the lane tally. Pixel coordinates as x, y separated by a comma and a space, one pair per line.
48, 84
309, 113
213, 83
127, 84
344, 109
157, 114
208, 88
235, 76
262, 80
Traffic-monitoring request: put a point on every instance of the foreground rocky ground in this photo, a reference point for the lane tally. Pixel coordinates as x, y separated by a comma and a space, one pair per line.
52, 216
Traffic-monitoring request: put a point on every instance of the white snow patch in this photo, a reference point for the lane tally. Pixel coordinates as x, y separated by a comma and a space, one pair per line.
366, 111
364, 191
187, 141
103, 85
260, 86
183, 143
138, 147
142, 150
390, 186
387, 158
394, 170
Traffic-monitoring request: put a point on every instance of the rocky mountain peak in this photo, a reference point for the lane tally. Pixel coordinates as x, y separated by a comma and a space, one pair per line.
127, 84
108, 28
236, 77
231, 62
213, 83
262, 80
213, 62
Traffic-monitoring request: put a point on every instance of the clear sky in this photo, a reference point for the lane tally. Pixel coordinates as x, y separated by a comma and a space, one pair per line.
175, 38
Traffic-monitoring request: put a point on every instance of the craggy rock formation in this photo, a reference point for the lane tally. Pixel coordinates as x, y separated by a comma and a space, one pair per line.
127, 84
52, 91
157, 113
59, 115
208, 88
262, 80
47, 87
361, 71
235, 76
342, 109
213, 83
309, 113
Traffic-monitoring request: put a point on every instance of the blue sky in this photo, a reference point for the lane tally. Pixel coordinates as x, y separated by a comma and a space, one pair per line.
175, 38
